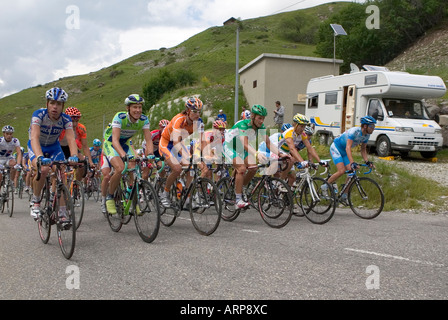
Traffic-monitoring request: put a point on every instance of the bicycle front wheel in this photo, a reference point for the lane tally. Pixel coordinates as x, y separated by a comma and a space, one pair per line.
116, 220
7, 199
44, 221
275, 202
205, 206
318, 204
226, 191
147, 217
366, 198
66, 231
167, 215
77, 195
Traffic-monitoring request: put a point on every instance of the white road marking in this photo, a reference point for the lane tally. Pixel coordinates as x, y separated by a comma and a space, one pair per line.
396, 257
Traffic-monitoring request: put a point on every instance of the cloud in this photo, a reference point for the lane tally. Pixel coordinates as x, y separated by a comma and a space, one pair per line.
43, 40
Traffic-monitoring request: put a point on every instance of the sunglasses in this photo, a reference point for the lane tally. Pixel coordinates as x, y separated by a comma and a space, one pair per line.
75, 118
196, 111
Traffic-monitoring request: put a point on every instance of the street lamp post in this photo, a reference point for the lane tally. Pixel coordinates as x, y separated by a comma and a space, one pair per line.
338, 30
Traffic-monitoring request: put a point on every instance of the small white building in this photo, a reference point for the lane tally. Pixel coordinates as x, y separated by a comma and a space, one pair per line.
271, 77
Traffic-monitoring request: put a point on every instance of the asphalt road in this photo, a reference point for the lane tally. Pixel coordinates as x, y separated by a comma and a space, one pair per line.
395, 256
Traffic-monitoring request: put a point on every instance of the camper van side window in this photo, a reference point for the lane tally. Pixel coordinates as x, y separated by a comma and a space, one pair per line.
331, 98
371, 80
375, 109
313, 102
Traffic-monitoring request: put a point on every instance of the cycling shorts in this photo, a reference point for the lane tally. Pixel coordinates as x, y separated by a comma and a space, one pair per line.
53, 152
166, 150
110, 152
339, 156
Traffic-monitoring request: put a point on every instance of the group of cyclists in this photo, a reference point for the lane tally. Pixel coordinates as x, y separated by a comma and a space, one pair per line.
55, 134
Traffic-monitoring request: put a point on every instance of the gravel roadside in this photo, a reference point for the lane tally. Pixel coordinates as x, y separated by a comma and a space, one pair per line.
437, 171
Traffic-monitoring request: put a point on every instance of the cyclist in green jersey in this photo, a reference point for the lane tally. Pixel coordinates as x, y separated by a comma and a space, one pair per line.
240, 149
117, 144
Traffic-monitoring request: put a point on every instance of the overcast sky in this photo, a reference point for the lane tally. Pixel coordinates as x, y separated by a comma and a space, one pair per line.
44, 40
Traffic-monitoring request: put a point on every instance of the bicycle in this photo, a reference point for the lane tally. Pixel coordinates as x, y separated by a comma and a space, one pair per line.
93, 186
272, 195
204, 203
49, 212
7, 193
20, 182
316, 205
77, 191
364, 195
140, 201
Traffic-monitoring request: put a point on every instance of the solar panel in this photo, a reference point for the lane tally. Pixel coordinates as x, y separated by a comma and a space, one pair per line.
338, 30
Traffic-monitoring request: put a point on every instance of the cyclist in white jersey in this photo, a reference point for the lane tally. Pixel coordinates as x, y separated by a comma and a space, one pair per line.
9, 145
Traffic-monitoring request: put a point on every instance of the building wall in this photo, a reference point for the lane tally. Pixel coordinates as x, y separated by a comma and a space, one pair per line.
283, 78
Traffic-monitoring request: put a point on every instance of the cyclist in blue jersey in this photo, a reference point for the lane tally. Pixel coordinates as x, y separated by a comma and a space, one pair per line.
341, 148
43, 145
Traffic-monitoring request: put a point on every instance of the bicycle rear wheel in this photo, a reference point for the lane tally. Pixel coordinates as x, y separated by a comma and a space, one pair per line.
205, 206
318, 205
77, 195
96, 189
116, 220
66, 231
147, 221
44, 221
366, 198
275, 202
167, 215
8, 199
225, 187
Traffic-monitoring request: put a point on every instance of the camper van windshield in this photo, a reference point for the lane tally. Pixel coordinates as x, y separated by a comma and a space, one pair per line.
401, 108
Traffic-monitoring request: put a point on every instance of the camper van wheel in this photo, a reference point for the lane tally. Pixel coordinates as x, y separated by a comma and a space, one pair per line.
383, 146
428, 154
323, 139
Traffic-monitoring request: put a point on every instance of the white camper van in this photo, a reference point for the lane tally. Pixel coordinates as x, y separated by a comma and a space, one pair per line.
337, 103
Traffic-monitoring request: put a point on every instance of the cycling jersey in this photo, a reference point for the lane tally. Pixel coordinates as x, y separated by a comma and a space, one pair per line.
8, 148
337, 149
127, 130
80, 133
290, 133
233, 147
49, 129
95, 154
354, 134
178, 127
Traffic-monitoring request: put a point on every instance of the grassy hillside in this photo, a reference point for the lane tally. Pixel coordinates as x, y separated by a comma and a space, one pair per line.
209, 54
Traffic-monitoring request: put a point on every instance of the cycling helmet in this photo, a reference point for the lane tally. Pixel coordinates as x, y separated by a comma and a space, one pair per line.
133, 98
246, 115
368, 120
8, 129
73, 112
309, 130
56, 94
260, 110
300, 119
219, 124
97, 142
194, 104
286, 126
163, 123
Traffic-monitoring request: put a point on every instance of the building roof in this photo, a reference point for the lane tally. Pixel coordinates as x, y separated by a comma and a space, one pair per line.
286, 56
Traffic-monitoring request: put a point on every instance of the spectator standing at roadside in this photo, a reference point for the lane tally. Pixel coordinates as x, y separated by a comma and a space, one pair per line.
221, 116
279, 114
